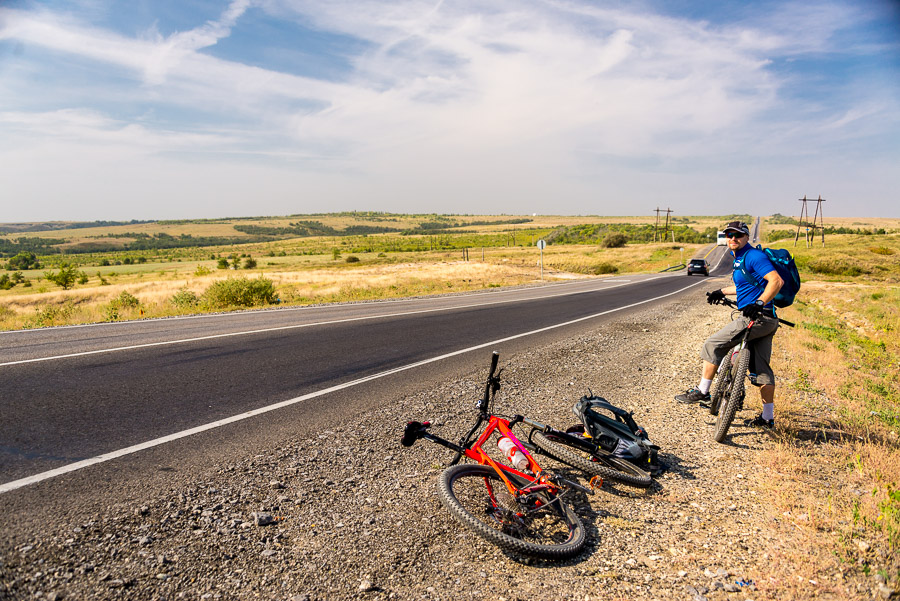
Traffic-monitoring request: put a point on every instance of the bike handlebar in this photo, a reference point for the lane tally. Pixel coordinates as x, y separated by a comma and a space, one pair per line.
730, 303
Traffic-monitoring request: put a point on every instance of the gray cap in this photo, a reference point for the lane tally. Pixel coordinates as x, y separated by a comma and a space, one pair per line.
738, 226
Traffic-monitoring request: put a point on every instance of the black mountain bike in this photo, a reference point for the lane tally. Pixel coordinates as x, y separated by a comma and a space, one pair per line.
729, 387
607, 447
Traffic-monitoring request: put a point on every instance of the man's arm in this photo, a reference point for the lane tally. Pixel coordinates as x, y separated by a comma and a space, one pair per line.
773, 285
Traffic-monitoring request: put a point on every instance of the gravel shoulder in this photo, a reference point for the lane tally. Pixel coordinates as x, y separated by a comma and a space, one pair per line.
350, 514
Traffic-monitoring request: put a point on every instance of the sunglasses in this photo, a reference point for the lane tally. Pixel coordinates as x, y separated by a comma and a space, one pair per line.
734, 234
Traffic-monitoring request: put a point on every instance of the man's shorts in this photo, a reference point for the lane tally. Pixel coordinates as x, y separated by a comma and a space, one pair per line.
717, 345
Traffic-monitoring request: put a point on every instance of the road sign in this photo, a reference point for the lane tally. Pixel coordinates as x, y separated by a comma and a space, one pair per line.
541, 244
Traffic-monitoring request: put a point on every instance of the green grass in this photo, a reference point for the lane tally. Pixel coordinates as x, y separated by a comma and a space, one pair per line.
848, 258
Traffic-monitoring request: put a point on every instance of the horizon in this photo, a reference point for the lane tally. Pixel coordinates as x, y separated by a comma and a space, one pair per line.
165, 111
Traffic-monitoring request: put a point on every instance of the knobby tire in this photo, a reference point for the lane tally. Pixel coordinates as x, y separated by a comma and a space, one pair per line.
601, 463
721, 384
552, 531
735, 395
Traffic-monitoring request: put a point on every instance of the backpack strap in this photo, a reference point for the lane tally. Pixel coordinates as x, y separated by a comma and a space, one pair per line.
749, 277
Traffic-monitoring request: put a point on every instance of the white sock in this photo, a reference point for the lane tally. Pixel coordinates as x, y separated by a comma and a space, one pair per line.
768, 411
705, 385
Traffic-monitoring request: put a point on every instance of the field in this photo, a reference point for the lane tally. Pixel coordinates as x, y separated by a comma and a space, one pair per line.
838, 403
421, 254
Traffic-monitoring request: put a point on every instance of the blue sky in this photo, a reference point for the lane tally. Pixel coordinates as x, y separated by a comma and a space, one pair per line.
150, 109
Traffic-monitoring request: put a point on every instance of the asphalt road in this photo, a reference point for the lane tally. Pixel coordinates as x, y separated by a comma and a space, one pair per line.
73, 394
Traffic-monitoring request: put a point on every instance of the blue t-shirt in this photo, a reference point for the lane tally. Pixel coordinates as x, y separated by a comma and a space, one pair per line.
759, 266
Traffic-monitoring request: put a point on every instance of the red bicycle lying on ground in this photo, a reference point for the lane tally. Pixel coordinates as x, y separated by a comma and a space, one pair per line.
521, 510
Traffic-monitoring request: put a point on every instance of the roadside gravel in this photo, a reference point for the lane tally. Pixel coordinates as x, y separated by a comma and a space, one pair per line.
351, 514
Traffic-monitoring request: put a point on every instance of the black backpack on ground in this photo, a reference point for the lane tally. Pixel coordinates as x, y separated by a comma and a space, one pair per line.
618, 435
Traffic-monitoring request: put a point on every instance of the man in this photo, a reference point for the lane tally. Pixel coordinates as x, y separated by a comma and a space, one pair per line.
754, 299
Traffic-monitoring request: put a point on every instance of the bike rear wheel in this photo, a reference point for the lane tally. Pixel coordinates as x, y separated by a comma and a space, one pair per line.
735, 395
600, 463
721, 384
538, 525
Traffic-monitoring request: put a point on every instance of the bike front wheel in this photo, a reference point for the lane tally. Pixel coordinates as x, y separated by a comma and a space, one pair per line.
735, 395
599, 463
536, 524
721, 384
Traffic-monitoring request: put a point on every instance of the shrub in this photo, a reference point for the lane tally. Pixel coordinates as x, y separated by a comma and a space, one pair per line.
66, 276
240, 292
335, 253
249, 263
352, 259
51, 315
104, 262
126, 300
203, 270
614, 240
185, 299
23, 260
881, 250
5, 282
222, 264
83, 278
605, 268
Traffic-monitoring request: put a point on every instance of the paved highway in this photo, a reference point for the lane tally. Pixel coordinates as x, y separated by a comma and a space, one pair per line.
76, 396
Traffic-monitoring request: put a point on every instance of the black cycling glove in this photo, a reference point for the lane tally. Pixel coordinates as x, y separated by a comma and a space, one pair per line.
715, 297
753, 311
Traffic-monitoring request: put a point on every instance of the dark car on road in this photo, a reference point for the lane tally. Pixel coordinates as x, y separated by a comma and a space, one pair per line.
698, 266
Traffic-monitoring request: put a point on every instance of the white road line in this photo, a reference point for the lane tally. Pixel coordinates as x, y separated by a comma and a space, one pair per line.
306, 325
9, 486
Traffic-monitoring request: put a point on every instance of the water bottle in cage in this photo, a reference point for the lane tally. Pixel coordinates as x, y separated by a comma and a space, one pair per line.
512, 452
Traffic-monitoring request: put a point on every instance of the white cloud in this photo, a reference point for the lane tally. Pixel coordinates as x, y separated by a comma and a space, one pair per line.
469, 99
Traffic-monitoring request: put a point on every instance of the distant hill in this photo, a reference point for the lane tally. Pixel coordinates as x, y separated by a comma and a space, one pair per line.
49, 226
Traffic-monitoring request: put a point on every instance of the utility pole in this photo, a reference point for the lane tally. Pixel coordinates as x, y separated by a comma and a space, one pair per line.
665, 232
818, 221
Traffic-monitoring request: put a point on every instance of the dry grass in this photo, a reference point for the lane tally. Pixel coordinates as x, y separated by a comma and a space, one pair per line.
831, 480
306, 279
334, 283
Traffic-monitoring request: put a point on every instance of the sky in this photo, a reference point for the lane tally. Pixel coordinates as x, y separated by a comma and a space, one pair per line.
165, 109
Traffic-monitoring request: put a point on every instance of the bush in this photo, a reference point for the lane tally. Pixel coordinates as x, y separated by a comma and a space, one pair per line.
126, 300
776, 235
203, 270
66, 276
881, 250
51, 315
605, 268
249, 263
352, 259
240, 292
615, 240
222, 264
185, 299
23, 260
